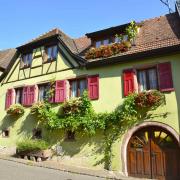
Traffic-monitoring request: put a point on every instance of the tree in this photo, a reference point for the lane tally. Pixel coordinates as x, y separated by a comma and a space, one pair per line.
167, 3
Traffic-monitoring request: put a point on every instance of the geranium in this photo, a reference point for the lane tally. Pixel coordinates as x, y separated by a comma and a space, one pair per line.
15, 109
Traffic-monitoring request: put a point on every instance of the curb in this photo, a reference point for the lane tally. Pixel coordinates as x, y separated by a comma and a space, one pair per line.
35, 164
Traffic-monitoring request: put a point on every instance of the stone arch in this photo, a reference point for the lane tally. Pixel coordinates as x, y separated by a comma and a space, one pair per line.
131, 131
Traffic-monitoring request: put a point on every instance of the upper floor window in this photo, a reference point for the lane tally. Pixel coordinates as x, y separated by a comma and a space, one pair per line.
147, 79
43, 91
106, 41
77, 87
51, 52
26, 60
98, 44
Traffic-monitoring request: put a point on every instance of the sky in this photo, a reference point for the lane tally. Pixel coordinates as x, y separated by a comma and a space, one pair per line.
23, 20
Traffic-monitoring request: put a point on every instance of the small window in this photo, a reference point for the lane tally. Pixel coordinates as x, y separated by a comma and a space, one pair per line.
117, 40
147, 79
77, 87
18, 98
125, 37
37, 134
26, 60
70, 135
106, 42
51, 53
98, 44
5, 133
43, 92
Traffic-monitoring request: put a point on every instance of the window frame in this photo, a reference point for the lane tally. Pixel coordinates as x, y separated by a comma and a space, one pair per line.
21, 95
51, 59
43, 84
4, 131
27, 62
147, 77
78, 85
34, 135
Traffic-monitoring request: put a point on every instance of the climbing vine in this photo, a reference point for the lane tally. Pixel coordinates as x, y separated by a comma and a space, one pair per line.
77, 114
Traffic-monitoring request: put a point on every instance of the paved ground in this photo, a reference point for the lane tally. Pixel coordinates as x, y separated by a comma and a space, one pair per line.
16, 171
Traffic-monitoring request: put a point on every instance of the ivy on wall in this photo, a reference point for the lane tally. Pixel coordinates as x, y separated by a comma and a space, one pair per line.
77, 114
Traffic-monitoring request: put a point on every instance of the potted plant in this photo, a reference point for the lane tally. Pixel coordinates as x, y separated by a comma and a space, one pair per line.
16, 110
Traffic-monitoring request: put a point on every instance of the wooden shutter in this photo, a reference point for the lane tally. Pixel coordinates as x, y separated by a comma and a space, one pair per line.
165, 77
129, 81
10, 98
60, 91
93, 87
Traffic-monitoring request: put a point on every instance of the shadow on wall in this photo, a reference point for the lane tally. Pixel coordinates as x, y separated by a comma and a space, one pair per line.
27, 126
8, 121
90, 147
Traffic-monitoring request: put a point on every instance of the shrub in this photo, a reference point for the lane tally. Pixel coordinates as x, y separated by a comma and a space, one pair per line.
32, 145
37, 107
16, 109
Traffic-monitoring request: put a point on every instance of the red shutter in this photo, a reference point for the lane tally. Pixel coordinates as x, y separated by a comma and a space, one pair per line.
128, 81
165, 77
32, 93
60, 91
93, 87
10, 98
25, 96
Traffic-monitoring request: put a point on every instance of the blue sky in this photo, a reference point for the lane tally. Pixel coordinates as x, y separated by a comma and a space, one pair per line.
22, 20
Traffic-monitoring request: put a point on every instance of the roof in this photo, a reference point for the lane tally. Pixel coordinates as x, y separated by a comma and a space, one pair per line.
156, 33
75, 45
6, 57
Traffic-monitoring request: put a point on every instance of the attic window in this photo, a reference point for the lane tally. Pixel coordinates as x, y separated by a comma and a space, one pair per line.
51, 53
26, 60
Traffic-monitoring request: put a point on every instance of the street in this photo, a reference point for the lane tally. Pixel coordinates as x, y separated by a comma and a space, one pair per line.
16, 171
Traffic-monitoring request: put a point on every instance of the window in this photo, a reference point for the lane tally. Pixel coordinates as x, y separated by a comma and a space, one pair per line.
43, 92
37, 134
5, 133
51, 53
77, 87
70, 135
26, 60
18, 98
98, 44
117, 40
147, 79
106, 42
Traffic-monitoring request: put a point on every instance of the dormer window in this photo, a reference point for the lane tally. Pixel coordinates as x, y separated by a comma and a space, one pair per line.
105, 41
98, 44
102, 42
26, 60
51, 53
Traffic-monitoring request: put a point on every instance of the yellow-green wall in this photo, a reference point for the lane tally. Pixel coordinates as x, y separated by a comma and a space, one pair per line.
84, 149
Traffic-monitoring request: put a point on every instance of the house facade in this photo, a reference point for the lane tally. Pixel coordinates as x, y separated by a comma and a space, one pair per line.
151, 63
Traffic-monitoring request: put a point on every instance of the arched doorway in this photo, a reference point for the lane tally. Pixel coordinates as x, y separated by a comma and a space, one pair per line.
152, 152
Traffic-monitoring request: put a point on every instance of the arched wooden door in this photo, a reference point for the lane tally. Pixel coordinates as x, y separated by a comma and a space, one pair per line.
153, 153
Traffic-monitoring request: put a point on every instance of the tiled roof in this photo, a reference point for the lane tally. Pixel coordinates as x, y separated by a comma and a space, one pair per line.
159, 32
155, 33
6, 56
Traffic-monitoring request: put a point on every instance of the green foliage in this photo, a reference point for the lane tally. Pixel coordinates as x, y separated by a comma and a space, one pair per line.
32, 145
16, 110
131, 30
77, 114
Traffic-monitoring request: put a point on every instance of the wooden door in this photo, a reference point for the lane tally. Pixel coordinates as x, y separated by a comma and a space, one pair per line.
153, 153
